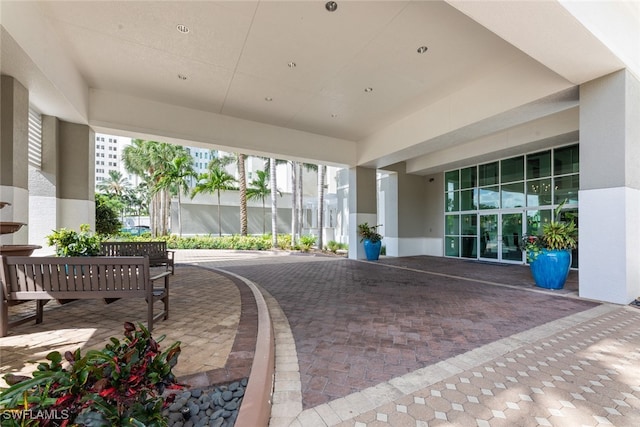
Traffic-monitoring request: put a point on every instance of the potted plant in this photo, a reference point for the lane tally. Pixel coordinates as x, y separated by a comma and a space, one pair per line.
549, 254
72, 243
372, 240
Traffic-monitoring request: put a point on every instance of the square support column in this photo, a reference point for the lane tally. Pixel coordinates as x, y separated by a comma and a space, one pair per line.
610, 188
14, 130
363, 201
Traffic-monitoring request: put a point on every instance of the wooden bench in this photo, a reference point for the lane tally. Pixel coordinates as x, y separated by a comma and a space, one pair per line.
69, 278
156, 251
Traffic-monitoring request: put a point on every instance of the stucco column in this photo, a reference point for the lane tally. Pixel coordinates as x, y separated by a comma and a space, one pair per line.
43, 187
362, 206
75, 189
14, 128
404, 212
610, 188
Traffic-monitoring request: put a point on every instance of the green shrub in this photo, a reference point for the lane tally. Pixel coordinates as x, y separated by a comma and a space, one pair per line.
119, 385
107, 222
71, 243
333, 246
306, 242
284, 241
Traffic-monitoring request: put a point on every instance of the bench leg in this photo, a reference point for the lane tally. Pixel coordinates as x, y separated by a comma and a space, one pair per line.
165, 299
40, 310
4, 318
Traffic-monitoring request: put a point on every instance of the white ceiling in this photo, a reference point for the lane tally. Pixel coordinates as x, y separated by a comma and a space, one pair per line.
236, 55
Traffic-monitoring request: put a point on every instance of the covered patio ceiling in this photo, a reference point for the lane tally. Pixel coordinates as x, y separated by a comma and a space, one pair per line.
372, 83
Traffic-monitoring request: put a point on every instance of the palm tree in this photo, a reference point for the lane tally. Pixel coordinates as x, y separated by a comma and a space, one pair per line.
115, 185
259, 190
149, 160
242, 179
138, 159
216, 180
176, 178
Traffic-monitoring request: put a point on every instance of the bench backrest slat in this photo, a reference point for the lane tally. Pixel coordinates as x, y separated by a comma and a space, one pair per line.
62, 278
151, 249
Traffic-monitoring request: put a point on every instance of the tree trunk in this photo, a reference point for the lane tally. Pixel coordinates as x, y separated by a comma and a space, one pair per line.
219, 223
243, 194
274, 203
294, 202
321, 179
300, 199
179, 213
166, 212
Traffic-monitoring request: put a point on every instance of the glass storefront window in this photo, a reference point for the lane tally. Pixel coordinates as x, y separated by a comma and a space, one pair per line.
468, 177
453, 203
488, 174
451, 180
469, 223
452, 225
566, 188
452, 246
566, 160
539, 192
539, 165
512, 169
489, 198
469, 247
513, 195
469, 200
535, 221
489, 206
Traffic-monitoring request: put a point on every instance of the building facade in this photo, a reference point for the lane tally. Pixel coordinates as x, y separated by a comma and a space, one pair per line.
460, 126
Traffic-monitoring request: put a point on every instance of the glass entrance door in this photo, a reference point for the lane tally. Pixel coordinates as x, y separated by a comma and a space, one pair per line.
489, 241
511, 233
500, 236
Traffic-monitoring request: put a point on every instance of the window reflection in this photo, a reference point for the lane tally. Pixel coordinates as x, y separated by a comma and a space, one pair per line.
469, 200
489, 198
539, 192
567, 187
513, 195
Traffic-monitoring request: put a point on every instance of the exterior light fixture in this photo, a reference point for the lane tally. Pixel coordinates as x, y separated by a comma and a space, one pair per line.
331, 6
422, 49
182, 28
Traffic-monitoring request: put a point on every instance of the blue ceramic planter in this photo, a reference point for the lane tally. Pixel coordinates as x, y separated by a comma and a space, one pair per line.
551, 268
372, 250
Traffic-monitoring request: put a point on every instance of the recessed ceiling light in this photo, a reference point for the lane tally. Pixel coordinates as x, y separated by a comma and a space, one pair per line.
368, 89
182, 28
422, 49
331, 6
292, 64
182, 77
268, 98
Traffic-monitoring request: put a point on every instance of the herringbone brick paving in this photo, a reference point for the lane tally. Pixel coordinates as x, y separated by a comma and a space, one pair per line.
356, 324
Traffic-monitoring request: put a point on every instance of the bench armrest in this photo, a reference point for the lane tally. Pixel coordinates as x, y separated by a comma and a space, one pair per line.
164, 275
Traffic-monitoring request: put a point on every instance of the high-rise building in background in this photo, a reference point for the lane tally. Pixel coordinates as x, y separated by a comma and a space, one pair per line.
109, 156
